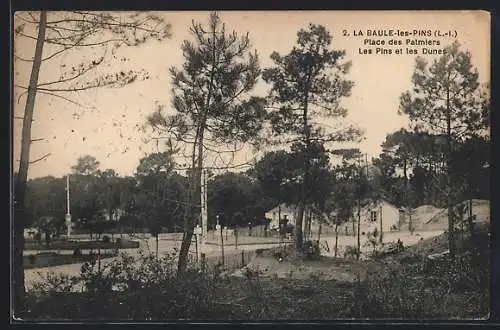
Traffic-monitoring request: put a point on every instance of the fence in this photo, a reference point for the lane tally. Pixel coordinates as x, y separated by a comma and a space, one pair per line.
257, 231
232, 261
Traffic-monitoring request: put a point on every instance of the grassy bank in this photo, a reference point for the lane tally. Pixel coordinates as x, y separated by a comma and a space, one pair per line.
51, 259
82, 245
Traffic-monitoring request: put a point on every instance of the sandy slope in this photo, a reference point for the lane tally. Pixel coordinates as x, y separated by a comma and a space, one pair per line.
480, 208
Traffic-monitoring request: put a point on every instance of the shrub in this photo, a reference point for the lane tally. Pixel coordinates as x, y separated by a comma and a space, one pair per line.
77, 253
106, 239
351, 252
52, 283
146, 288
32, 258
311, 249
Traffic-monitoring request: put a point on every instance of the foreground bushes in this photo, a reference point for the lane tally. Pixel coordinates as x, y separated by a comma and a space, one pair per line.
397, 288
409, 288
125, 289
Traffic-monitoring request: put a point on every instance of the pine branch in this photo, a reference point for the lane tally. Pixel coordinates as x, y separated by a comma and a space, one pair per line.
34, 21
40, 159
79, 74
61, 97
21, 118
135, 26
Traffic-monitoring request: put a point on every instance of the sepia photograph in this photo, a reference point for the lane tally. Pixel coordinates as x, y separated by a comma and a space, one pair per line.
249, 166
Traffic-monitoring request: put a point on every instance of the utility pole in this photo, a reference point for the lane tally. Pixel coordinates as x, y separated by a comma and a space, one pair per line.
204, 211
366, 164
359, 209
68, 211
381, 225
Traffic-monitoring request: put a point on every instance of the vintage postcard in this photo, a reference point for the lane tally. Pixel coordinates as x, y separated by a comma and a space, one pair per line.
251, 165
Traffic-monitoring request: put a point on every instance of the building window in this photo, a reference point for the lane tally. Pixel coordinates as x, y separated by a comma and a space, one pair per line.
373, 216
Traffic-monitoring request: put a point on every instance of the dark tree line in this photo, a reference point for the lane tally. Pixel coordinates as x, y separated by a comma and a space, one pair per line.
413, 168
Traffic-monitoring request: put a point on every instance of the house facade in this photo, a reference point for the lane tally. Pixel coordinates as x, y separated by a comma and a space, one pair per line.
374, 215
282, 211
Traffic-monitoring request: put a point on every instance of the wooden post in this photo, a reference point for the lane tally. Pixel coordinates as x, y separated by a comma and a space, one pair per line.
203, 261
336, 237
99, 257
236, 238
242, 258
196, 246
359, 229
222, 245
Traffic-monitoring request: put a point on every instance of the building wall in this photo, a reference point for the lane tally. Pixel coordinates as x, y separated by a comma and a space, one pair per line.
285, 211
390, 217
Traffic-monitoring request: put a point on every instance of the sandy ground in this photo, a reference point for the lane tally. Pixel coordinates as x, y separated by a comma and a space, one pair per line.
169, 242
328, 268
166, 244
328, 243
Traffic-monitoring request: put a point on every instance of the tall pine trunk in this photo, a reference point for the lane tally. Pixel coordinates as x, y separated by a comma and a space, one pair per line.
305, 182
190, 214
20, 185
449, 197
298, 226
299, 235
359, 230
194, 203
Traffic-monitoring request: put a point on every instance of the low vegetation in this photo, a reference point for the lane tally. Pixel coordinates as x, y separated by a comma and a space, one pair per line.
399, 285
50, 259
120, 243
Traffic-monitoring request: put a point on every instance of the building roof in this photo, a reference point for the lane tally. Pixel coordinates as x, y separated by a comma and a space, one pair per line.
284, 208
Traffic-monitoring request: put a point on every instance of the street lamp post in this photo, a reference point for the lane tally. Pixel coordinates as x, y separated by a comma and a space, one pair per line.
68, 213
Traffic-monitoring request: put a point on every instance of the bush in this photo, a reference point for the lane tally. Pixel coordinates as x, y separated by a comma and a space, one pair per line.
351, 252
406, 289
77, 253
32, 258
311, 249
106, 239
53, 283
146, 289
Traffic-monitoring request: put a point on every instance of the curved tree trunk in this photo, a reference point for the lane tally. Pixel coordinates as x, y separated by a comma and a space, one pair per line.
194, 203
20, 185
188, 217
451, 216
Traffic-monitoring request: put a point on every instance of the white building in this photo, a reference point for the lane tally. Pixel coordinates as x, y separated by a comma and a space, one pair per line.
374, 215
283, 211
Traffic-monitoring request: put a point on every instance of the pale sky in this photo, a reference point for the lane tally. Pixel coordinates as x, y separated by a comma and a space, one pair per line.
106, 127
